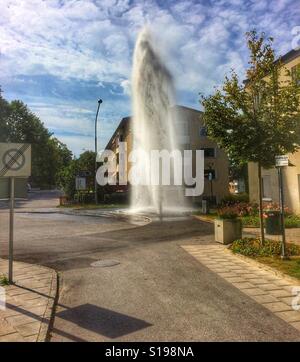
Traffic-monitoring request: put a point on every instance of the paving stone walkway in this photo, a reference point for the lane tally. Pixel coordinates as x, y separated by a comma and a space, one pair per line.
29, 303
273, 290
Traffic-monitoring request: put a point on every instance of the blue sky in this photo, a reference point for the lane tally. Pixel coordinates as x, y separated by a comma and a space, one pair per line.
60, 56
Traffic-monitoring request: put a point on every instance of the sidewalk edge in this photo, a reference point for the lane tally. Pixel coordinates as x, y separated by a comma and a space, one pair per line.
47, 321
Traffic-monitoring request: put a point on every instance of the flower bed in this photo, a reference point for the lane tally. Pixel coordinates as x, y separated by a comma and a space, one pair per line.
253, 247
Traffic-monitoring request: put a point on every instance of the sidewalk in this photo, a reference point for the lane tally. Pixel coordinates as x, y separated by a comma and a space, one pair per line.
29, 303
267, 287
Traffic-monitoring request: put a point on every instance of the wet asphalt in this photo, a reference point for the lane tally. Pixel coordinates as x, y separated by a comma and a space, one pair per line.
149, 290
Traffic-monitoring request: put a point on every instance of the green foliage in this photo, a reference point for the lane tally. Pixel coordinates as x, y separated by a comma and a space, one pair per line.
18, 124
228, 212
85, 162
4, 280
234, 198
252, 247
117, 198
260, 120
250, 221
292, 221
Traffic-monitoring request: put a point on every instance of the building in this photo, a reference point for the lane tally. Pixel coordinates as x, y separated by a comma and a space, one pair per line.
193, 137
291, 174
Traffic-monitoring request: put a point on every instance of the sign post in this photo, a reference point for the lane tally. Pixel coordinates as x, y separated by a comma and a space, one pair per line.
15, 161
11, 230
280, 162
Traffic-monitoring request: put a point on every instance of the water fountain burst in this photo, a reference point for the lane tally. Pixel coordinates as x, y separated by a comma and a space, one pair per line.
154, 119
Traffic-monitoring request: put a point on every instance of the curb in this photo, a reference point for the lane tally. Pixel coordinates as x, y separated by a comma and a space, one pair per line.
47, 321
105, 214
203, 218
264, 267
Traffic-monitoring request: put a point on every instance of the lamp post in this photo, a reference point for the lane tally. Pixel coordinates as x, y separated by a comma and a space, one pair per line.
96, 150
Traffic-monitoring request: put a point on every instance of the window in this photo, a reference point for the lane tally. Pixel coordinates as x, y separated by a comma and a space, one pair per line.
210, 174
266, 187
209, 152
202, 131
185, 128
295, 72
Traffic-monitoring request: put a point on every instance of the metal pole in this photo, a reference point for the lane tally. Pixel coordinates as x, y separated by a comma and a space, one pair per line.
11, 230
96, 151
281, 199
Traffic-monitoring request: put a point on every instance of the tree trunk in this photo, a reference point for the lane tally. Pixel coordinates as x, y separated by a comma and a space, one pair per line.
261, 218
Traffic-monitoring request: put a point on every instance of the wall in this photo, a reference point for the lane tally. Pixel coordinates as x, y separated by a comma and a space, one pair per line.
291, 174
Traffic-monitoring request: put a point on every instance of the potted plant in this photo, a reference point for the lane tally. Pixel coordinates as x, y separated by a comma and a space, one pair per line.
228, 227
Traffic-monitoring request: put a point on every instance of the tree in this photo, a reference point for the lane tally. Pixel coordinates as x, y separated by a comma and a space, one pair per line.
67, 175
18, 124
259, 118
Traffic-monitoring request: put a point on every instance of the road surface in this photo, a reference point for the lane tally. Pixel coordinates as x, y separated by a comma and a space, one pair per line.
153, 290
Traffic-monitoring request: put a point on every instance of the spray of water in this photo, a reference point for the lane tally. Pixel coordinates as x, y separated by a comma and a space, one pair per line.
154, 119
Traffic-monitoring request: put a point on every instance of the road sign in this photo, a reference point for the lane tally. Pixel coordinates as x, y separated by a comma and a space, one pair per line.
281, 160
80, 183
15, 162
15, 159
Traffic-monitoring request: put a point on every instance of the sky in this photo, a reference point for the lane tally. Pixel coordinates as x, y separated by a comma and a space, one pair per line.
61, 56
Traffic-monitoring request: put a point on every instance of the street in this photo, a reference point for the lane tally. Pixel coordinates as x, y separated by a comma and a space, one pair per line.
146, 288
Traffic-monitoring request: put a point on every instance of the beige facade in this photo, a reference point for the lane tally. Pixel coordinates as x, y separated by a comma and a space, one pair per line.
193, 136
291, 174
216, 161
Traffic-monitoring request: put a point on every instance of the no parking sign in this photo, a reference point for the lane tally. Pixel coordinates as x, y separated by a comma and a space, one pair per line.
15, 161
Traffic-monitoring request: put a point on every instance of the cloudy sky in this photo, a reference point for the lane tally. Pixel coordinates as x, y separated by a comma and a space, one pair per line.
60, 56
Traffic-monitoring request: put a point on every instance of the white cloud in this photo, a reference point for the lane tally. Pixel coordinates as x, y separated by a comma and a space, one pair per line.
93, 40
126, 85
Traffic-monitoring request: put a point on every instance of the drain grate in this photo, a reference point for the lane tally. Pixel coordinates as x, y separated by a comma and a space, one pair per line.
105, 263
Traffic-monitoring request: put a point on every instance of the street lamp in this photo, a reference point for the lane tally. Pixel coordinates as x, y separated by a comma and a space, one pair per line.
96, 150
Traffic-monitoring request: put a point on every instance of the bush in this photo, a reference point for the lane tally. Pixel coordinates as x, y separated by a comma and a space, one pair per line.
250, 221
228, 212
117, 198
252, 247
274, 206
292, 221
235, 198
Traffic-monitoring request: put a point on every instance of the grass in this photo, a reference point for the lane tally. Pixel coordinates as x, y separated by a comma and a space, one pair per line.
269, 254
290, 267
4, 280
290, 221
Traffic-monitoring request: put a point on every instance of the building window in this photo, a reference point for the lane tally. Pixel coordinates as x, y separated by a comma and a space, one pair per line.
210, 174
202, 131
185, 128
295, 72
266, 187
209, 152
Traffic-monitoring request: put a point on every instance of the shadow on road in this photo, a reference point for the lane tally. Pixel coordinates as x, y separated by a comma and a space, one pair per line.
102, 321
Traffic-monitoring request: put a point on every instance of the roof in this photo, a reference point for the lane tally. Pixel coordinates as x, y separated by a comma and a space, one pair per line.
127, 119
123, 122
286, 58
291, 55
